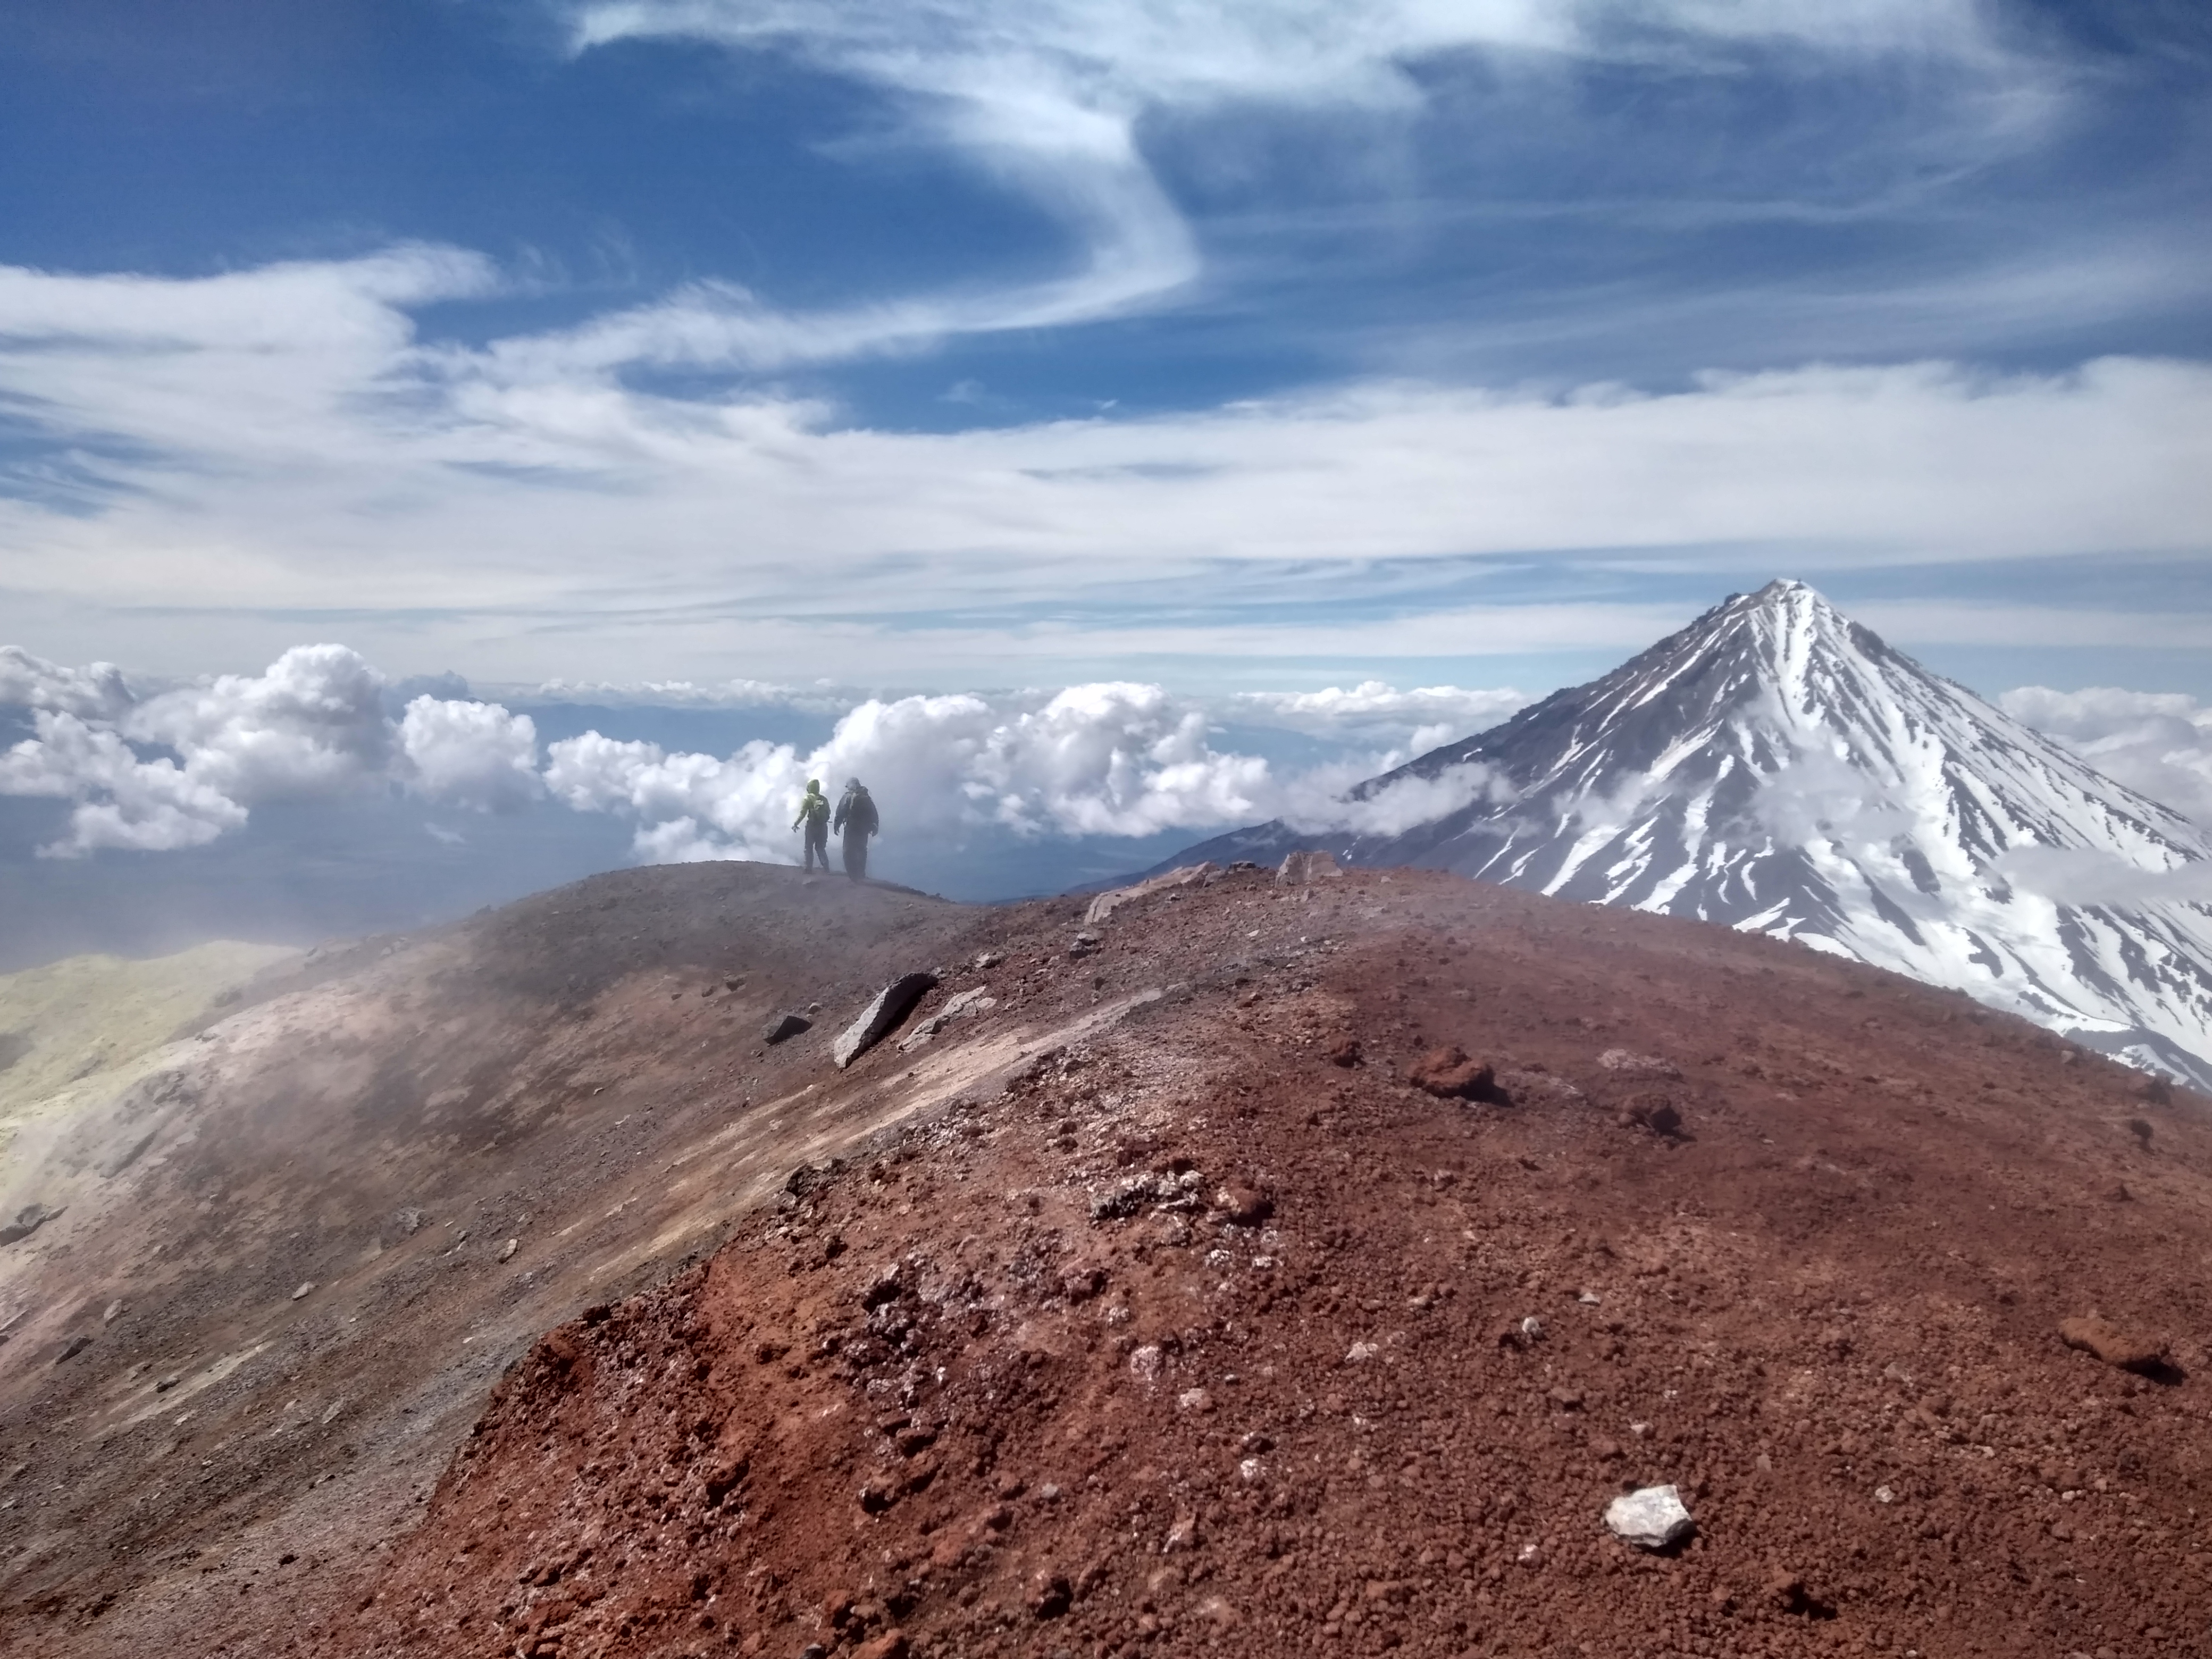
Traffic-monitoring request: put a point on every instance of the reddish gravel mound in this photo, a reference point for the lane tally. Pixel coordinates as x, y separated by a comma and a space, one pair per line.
1211, 1333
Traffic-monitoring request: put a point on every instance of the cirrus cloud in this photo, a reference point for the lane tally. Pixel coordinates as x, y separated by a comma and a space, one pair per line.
1051, 97
629, 528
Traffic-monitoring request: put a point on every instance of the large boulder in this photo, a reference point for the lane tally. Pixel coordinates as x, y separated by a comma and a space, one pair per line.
892, 1004
1301, 868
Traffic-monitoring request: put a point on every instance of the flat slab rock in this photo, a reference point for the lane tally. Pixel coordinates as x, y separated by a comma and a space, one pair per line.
1651, 1517
892, 1004
975, 999
1105, 904
28, 1220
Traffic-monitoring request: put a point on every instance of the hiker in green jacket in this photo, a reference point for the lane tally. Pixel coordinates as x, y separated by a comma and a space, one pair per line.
814, 815
856, 821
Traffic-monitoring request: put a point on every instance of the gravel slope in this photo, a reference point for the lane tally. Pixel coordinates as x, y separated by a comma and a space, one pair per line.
1183, 1335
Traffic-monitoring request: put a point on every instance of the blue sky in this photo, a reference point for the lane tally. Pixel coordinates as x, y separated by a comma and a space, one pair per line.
1244, 345
1238, 352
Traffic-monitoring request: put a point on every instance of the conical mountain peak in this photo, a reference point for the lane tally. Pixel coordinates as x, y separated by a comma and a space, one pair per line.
1776, 766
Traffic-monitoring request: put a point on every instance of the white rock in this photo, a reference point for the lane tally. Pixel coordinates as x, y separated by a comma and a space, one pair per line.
1301, 869
506, 1250
1651, 1518
960, 1002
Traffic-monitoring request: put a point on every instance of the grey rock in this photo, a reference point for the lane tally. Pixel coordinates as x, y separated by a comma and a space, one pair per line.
892, 1004
784, 1026
1651, 1518
28, 1220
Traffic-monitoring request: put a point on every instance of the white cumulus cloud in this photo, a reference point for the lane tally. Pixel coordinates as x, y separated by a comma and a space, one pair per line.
2080, 876
2158, 743
181, 767
1420, 719
1402, 804
122, 800
470, 754
1111, 758
312, 724
97, 691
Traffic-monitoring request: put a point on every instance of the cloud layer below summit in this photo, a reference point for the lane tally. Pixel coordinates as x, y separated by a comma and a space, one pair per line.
182, 766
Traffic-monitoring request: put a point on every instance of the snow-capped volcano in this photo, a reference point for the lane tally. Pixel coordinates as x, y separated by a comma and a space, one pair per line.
1776, 766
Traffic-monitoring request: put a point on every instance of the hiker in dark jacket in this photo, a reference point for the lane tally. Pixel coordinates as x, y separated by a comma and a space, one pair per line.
856, 821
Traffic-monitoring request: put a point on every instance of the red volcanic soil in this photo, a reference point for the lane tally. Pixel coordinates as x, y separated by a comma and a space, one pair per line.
1209, 1331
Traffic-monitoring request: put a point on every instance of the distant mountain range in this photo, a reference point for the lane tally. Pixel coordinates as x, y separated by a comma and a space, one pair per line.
1775, 767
